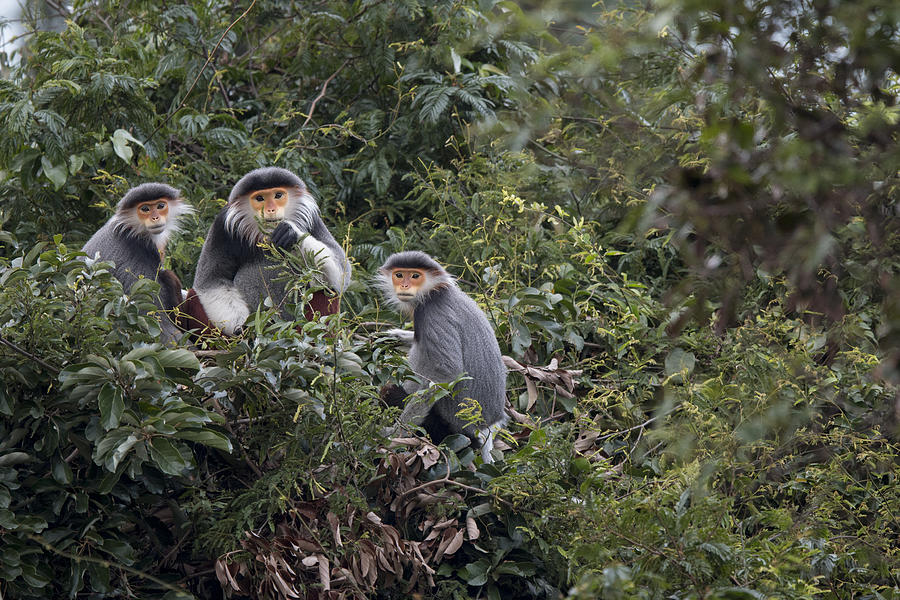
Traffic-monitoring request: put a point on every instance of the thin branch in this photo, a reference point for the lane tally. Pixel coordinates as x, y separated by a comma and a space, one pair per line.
312, 107
24, 352
200, 73
640, 426
108, 564
446, 480
237, 440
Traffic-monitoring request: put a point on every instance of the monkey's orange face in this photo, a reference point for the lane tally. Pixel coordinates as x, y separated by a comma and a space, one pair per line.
407, 282
153, 214
269, 204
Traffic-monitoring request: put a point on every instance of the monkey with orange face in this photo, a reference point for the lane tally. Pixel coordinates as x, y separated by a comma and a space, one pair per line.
451, 338
234, 273
135, 240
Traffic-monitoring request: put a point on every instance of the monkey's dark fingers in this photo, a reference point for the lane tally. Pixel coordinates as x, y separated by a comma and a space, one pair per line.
285, 235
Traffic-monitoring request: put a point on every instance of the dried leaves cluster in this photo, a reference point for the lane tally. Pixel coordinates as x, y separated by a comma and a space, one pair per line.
315, 554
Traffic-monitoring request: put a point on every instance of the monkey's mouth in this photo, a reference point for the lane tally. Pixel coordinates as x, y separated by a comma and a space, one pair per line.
157, 228
406, 295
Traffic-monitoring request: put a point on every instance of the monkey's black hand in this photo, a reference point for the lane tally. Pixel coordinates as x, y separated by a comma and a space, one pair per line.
285, 235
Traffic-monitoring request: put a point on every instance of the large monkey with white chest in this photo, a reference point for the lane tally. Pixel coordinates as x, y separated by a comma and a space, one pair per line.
451, 337
135, 240
234, 274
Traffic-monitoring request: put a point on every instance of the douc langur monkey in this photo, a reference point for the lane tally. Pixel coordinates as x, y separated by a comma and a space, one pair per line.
451, 337
234, 273
135, 240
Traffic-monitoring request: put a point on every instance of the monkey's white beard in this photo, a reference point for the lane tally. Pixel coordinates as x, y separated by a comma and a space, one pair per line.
407, 307
241, 220
131, 223
224, 307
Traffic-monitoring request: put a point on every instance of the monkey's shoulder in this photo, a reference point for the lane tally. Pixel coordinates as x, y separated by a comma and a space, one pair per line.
450, 309
121, 245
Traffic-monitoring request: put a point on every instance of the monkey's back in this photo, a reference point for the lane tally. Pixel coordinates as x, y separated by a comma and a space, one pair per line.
134, 256
453, 336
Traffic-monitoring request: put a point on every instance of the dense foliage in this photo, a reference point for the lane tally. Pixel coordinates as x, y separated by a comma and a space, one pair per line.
681, 219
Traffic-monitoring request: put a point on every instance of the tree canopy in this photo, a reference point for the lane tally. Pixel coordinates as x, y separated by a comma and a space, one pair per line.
680, 217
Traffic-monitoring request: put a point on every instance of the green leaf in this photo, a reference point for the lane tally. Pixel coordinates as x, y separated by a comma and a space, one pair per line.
62, 472
57, 174
120, 139
120, 550
8, 519
112, 404
99, 577
679, 361
476, 573
178, 359
167, 457
35, 576
206, 437
121, 451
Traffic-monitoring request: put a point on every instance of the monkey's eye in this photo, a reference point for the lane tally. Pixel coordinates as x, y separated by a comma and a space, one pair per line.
415, 275
145, 208
398, 275
259, 199
278, 195
160, 206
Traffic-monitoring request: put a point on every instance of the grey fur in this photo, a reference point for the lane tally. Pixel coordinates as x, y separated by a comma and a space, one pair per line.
452, 337
135, 252
234, 275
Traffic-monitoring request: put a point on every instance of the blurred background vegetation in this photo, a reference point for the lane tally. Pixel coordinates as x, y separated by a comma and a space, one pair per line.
681, 217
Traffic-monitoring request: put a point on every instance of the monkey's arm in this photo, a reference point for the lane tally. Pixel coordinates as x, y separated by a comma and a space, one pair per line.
437, 354
214, 279
404, 336
319, 242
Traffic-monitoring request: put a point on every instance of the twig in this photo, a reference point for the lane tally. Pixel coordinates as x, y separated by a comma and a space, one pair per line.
312, 107
24, 352
209, 353
200, 73
237, 440
108, 564
446, 479
640, 426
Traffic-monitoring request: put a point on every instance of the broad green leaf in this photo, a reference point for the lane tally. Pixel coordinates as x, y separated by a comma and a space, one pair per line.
57, 174
167, 457
120, 140
115, 459
179, 358
206, 437
120, 550
62, 472
680, 361
111, 402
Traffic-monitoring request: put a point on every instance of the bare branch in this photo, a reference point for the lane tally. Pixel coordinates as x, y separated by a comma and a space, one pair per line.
312, 107
200, 73
24, 352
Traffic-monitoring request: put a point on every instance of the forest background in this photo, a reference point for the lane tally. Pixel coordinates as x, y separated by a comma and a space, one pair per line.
681, 217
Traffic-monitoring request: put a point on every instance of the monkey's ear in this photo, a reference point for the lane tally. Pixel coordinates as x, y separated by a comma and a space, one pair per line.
285, 235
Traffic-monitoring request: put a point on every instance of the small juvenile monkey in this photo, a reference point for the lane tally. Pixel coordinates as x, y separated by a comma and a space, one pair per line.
234, 273
135, 240
451, 337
